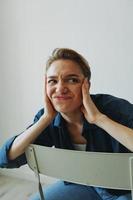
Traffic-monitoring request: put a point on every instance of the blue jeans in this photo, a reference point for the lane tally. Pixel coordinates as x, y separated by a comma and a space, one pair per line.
60, 191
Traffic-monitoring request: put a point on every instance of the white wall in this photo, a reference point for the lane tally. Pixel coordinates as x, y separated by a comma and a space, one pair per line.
101, 30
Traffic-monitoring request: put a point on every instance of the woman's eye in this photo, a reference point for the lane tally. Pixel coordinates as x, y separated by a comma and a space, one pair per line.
52, 81
73, 80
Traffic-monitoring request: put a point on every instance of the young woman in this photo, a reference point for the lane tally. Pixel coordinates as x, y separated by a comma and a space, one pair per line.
74, 119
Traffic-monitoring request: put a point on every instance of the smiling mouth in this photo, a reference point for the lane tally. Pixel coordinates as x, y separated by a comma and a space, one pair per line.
62, 98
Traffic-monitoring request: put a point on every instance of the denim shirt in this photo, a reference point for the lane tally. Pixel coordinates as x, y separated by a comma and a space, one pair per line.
98, 140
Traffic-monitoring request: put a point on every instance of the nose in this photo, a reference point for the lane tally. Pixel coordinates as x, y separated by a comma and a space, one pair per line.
61, 87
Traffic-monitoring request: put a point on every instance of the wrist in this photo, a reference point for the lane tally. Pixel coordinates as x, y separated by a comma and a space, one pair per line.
46, 119
100, 120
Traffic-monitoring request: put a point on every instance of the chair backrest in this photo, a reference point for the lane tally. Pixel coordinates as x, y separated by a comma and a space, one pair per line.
109, 170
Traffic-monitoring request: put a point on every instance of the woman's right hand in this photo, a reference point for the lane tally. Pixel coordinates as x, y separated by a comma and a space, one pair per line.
49, 111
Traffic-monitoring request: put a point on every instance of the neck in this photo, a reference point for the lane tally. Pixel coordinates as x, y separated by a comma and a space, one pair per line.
74, 123
73, 118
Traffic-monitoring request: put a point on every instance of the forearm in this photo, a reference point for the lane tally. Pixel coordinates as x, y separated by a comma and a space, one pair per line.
118, 131
27, 137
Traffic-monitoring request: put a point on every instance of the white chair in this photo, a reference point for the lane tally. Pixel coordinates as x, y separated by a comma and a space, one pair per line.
107, 170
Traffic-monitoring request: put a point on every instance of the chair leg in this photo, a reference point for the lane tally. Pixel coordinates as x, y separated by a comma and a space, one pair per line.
41, 191
36, 171
131, 176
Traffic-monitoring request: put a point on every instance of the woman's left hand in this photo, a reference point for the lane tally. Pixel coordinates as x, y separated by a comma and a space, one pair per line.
88, 108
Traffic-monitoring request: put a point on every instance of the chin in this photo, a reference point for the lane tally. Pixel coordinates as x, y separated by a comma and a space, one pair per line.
65, 110
61, 108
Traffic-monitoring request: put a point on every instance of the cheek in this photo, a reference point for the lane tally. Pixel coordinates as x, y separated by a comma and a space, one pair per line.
78, 92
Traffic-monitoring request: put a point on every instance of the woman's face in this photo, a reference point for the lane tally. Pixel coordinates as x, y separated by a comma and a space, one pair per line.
64, 83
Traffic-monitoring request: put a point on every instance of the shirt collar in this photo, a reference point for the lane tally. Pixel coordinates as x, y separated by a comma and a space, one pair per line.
58, 120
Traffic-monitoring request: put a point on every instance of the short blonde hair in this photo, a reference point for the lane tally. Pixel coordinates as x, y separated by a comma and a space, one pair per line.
70, 54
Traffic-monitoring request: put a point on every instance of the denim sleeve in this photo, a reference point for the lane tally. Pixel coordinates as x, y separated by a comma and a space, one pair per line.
4, 160
117, 109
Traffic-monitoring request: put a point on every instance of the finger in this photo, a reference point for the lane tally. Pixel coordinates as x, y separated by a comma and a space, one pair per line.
85, 87
45, 91
45, 85
86, 83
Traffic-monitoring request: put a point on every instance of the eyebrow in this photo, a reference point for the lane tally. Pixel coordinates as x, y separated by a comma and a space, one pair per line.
67, 76
70, 75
